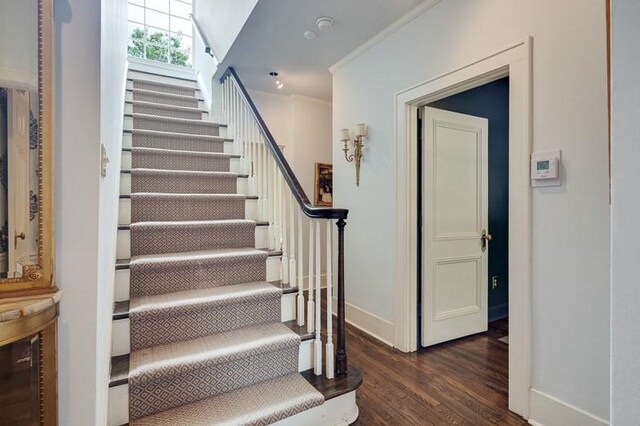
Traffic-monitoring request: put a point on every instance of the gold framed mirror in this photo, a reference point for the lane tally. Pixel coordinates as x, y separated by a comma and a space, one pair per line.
26, 147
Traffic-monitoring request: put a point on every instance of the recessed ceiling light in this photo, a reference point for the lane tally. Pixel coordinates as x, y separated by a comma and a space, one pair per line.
309, 35
324, 23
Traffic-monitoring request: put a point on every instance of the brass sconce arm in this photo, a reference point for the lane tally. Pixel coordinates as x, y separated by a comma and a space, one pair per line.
356, 156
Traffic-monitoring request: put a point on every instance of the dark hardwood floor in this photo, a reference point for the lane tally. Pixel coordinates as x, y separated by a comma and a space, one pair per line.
463, 382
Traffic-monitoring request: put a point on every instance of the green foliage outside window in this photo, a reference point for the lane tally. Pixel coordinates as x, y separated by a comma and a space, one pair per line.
160, 47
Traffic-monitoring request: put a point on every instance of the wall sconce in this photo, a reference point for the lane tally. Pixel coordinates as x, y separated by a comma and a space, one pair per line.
358, 143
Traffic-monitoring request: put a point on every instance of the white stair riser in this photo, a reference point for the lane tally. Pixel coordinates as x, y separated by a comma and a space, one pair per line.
119, 395
124, 212
166, 80
235, 165
122, 278
124, 241
228, 145
125, 185
128, 109
120, 344
128, 97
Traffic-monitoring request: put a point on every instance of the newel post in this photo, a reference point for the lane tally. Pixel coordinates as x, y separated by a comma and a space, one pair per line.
341, 352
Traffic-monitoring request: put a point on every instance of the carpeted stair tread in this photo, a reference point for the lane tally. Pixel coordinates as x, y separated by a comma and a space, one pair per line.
186, 236
260, 404
183, 181
164, 98
168, 273
199, 254
176, 135
166, 107
162, 305
156, 86
180, 141
174, 151
172, 159
175, 125
191, 314
169, 111
164, 360
179, 207
193, 121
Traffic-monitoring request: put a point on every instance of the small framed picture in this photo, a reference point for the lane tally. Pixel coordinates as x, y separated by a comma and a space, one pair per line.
323, 188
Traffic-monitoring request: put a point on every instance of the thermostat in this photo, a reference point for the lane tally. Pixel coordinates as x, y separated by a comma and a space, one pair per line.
545, 169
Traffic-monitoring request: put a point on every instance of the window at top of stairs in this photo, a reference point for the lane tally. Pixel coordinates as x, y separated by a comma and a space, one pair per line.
161, 30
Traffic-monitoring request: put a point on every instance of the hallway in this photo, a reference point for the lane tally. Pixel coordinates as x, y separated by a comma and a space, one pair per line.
461, 382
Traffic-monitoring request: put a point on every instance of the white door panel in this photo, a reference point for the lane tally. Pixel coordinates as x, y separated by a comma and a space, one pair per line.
455, 184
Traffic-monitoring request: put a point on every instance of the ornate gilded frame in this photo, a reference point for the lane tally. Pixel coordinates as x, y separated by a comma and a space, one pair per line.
39, 278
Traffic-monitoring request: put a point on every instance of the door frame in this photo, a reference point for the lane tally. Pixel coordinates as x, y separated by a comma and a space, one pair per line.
514, 61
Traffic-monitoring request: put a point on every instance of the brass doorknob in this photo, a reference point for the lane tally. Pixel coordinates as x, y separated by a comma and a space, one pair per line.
485, 237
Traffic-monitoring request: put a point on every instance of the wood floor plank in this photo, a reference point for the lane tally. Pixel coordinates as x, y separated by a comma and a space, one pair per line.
464, 382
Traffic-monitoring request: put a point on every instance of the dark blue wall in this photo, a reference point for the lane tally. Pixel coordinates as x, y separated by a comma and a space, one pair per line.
492, 101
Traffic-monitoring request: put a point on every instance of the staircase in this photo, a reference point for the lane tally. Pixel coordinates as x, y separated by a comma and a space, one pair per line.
205, 329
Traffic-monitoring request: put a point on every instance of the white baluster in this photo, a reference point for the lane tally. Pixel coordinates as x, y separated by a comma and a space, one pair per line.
300, 272
329, 271
317, 345
265, 182
230, 129
247, 132
285, 245
270, 201
254, 145
293, 282
238, 124
310, 304
224, 101
280, 207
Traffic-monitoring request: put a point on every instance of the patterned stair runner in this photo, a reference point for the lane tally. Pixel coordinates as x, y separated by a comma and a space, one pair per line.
207, 343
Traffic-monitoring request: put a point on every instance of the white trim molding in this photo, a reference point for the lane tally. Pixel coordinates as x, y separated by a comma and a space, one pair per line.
514, 61
549, 411
376, 327
385, 33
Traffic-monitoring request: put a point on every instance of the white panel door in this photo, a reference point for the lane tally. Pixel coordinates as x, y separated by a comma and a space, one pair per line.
455, 215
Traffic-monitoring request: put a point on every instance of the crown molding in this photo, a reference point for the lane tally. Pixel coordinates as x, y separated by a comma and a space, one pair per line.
385, 33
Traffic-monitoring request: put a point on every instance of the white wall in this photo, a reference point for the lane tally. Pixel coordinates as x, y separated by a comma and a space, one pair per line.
206, 67
222, 21
90, 66
77, 203
570, 223
113, 63
303, 125
625, 227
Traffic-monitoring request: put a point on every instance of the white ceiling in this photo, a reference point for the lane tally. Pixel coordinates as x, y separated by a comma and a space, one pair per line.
272, 40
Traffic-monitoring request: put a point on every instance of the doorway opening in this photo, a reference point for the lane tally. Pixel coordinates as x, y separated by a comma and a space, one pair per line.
514, 61
463, 229
490, 102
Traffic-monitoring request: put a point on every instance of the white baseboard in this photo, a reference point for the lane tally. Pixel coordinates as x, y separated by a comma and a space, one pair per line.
546, 410
373, 325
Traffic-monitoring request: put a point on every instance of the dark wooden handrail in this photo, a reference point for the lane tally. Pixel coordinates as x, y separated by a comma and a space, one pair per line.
291, 179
